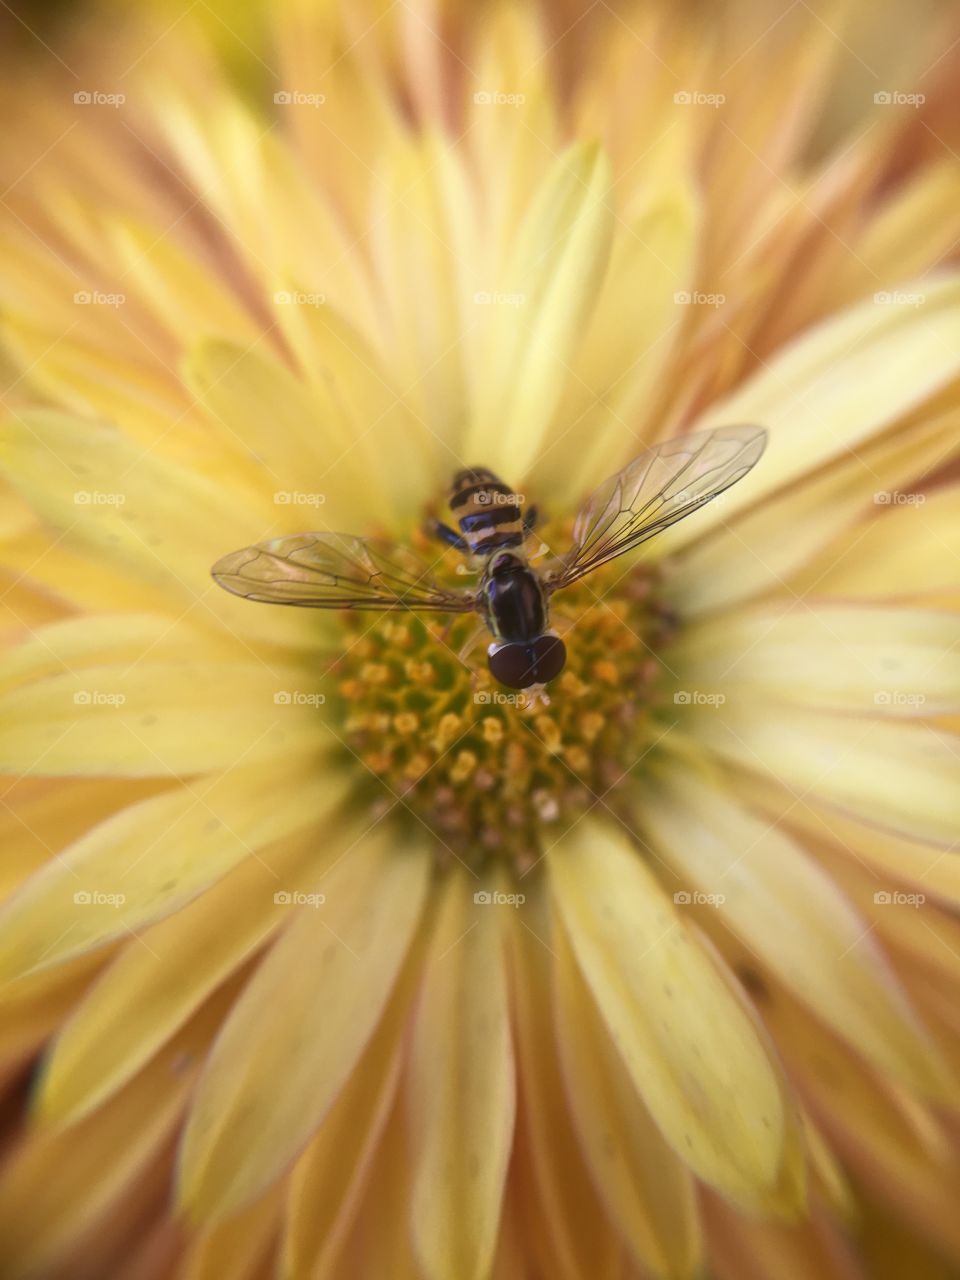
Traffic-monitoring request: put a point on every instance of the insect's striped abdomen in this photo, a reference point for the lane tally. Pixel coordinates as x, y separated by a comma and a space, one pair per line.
487, 510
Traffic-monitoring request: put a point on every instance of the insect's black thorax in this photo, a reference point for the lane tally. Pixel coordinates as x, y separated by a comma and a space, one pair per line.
487, 510
514, 599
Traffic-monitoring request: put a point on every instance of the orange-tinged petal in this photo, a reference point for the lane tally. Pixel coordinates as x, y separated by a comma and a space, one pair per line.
300, 1026
460, 1088
153, 857
690, 1048
241, 1247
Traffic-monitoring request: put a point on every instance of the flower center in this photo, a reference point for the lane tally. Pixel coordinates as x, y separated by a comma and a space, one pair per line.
489, 772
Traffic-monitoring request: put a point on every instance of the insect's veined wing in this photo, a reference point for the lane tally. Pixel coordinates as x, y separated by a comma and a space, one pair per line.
336, 571
654, 491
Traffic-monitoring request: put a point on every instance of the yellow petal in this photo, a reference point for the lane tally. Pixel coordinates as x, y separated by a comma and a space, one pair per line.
616, 370
908, 551
552, 1182
139, 719
332, 1175
898, 860
153, 857
161, 977
647, 1190
690, 1048
239, 1248
894, 661
460, 1089
63, 1183
790, 913
134, 508
297, 1031
885, 1137
839, 384
103, 639
769, 546
532, 313
902, 777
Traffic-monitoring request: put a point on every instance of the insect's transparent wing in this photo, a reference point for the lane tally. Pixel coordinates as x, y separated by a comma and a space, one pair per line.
336, 571
654, 491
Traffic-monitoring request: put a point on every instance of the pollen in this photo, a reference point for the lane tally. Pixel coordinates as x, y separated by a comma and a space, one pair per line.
494, 773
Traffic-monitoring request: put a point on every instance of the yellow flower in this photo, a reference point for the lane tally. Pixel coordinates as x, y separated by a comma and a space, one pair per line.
335, 961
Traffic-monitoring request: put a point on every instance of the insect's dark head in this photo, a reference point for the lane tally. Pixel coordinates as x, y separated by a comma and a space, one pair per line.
505, 563
520, 664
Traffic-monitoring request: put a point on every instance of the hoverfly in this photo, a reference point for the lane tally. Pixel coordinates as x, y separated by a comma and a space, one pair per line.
339, 571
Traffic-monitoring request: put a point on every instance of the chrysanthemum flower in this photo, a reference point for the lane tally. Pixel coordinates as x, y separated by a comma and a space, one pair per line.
321, 959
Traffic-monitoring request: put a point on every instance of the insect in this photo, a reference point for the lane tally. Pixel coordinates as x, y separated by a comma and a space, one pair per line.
340, 571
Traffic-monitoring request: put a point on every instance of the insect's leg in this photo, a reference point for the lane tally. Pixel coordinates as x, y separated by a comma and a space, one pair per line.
450, 536
530, 518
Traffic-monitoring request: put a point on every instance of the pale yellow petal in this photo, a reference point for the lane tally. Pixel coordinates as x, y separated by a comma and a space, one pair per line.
614, 379
154, 856
108, 638
61, 1184
551, 1184
160, 978
300, 1026
791, 914
460, 1089
910, 550
693, 1053
818, 520
531, 314
646, 1188
887, 661
331, 1177
118, 500
839, 384
139, 719
902, 777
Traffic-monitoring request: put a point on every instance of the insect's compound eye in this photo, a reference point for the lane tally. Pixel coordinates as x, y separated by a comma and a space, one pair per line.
519, 666
513, 665
550, 656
